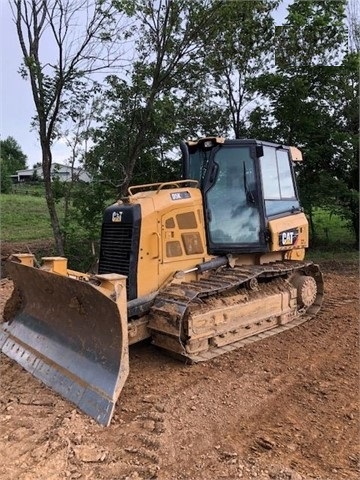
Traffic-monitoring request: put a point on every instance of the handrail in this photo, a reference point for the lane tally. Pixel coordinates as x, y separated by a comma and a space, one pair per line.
160, 186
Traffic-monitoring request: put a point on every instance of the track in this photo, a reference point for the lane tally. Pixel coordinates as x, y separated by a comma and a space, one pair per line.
190, 319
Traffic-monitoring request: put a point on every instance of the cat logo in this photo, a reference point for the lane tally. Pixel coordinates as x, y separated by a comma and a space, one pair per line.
116, 216
288, 237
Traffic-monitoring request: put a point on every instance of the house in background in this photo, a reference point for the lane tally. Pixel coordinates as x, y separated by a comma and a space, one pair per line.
62, 172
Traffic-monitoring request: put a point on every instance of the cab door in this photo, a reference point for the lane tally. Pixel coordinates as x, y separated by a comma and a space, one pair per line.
233, 201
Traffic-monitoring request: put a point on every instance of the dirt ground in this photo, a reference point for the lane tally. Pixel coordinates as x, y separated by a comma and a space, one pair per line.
285, 408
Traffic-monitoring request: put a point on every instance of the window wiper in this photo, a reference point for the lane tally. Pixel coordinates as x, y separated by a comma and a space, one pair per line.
204, 165
249, 194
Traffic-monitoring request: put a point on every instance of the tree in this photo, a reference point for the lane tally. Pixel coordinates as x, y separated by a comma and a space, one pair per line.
81, 37
12, 159
148, 111
110, 160
12, 155
313, 100
239, 50
348, 119
5, 180
192, 75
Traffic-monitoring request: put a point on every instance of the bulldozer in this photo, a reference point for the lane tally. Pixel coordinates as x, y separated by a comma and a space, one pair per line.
201, 266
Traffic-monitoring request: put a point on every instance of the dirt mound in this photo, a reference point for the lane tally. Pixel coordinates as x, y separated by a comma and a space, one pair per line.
286, 408
39, 248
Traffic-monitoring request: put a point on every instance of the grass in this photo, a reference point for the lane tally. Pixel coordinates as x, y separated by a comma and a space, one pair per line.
319, 255
331, 230
29, 188
333, 239
24, 218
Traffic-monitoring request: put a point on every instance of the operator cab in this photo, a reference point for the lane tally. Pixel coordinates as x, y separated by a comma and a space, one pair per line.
245, 183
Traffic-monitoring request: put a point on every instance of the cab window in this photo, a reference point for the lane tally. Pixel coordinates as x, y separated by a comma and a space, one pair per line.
277, 182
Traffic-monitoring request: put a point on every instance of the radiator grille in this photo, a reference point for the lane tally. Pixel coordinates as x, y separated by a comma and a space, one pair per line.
115, 249
118, 253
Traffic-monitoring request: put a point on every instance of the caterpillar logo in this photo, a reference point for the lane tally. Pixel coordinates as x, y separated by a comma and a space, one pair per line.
116, 216
288, 237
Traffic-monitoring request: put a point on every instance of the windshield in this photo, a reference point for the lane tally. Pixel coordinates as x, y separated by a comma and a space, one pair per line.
232, 200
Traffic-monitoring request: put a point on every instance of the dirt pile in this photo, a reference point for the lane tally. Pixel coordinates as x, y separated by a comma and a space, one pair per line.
40, 248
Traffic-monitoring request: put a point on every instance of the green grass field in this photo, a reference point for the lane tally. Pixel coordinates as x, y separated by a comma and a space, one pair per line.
24, 218
332, 229
333, 240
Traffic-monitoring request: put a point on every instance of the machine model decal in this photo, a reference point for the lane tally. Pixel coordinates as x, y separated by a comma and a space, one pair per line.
288, 237
116, 216
180, 195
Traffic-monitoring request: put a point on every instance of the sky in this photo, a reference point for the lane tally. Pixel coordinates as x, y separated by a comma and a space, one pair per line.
16, 103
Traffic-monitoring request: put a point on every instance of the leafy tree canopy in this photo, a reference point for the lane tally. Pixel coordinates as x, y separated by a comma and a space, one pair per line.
313, 103
13, 158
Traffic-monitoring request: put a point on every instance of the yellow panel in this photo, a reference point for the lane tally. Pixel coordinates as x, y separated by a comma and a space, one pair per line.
289, 233
162, 244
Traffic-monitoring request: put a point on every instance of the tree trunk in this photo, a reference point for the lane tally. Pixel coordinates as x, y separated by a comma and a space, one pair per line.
312, 225
139, 142
355, 222
55, 224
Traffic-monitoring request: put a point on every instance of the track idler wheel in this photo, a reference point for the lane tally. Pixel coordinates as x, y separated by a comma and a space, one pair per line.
306, 290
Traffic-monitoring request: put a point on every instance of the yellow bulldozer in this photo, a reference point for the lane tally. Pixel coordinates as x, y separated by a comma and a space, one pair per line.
202, 266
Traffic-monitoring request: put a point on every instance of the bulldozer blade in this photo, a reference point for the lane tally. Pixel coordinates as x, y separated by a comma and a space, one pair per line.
70, 335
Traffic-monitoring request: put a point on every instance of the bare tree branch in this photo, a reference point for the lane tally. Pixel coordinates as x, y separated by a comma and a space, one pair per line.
81, 37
